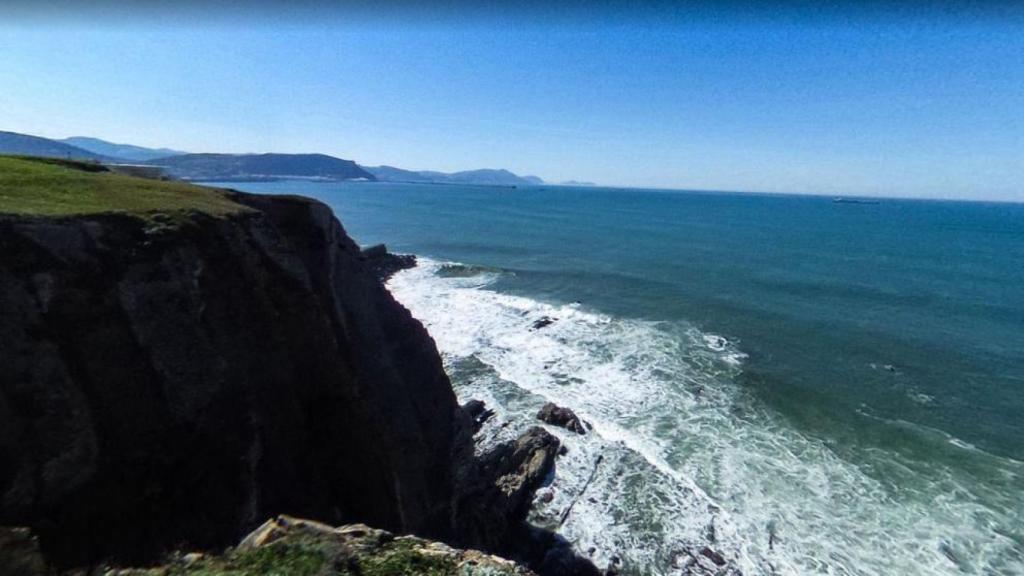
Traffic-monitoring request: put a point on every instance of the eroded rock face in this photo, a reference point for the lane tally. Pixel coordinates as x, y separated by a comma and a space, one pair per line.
555, 415
169, 385
286, 545
496, 492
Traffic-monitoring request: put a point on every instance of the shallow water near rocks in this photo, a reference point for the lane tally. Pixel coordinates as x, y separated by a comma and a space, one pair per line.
801, 385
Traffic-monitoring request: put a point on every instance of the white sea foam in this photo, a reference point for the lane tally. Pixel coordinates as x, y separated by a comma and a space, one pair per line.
680, 457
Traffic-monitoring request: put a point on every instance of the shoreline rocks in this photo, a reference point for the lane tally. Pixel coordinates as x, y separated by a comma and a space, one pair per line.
555, 415
385, 264
495, 491
543, 322
495, 495
478, 411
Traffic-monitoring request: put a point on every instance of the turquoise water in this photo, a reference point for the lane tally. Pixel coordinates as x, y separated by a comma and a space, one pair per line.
846, 377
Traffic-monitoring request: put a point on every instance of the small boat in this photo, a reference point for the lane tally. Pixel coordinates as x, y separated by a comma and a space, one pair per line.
841, 200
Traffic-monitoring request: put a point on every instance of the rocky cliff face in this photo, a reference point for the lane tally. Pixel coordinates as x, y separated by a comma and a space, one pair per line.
172, 384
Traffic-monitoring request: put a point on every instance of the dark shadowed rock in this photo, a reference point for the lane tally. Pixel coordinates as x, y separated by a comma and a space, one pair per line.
495, 494
474, 408
20, 554
561, 560
542, 322
169, 382
713, 556
174, 384
384, 264
478, 411
555, 415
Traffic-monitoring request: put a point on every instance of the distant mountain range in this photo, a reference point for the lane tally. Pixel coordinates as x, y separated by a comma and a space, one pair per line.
23, 144
125, 151
240, 167
485, 176
261, 166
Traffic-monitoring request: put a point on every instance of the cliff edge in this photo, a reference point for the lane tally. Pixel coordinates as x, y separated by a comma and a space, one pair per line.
182, 363
174, 376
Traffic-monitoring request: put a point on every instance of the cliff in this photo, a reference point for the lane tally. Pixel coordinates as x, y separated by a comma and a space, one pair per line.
181, 363
179, 384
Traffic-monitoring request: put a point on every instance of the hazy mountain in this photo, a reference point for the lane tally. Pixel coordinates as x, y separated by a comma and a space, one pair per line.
485, 176
245, 166
14, 143
260, 166
577, 183
126, 151
392, 174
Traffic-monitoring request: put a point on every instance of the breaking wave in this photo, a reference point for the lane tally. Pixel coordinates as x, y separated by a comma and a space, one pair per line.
681, 458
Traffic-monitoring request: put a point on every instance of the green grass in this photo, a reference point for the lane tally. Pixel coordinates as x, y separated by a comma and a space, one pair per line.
300, 555
56, 188
280, 560
401, 559
292, 557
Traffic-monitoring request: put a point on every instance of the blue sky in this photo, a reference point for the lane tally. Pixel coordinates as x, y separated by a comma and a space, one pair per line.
925, 106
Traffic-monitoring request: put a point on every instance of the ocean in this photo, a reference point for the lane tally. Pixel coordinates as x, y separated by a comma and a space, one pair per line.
804, 386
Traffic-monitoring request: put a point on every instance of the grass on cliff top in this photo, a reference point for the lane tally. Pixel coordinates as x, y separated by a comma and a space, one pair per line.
303, 556
47, 187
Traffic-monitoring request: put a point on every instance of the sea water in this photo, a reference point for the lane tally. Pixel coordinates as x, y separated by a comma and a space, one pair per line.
802, 385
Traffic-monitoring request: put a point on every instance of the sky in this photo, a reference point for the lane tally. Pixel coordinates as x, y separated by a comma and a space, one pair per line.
918, 103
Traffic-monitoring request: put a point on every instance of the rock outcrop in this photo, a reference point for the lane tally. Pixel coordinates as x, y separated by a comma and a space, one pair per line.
384, 264
171, 380
478, 412
286, 545
495, 493
172, 383
555, 415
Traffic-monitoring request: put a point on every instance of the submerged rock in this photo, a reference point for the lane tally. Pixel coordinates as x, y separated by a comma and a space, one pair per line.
713, 556
555, 415
542, 322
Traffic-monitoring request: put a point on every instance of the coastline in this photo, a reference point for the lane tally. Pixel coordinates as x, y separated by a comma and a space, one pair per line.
667, 429
176, 377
